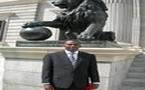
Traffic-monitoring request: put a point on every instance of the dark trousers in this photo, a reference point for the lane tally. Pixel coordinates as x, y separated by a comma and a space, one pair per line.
72, 87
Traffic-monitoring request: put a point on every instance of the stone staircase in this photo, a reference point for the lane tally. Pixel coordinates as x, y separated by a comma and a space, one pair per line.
135, 79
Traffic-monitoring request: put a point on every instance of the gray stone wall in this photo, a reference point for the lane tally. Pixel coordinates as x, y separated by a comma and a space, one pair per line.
22, 74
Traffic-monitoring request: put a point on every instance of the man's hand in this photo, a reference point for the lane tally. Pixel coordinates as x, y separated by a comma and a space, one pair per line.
48, 87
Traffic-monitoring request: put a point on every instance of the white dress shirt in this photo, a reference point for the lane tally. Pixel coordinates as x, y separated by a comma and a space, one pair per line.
73, 56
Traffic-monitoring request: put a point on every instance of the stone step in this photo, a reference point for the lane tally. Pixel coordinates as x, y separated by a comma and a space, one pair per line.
131, 88
138, 64
136, 75
137, 70
135, 79
139, 60
134, 82
140, 56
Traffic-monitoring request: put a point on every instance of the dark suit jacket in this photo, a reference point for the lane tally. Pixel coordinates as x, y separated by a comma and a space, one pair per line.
58, 70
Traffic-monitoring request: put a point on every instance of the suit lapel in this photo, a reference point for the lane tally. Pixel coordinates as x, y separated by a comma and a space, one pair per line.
65, 58
79, 60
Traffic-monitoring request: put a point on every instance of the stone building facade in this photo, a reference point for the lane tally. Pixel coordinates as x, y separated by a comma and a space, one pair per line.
126, 19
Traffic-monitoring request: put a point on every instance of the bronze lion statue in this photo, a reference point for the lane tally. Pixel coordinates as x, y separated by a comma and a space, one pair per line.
81, 19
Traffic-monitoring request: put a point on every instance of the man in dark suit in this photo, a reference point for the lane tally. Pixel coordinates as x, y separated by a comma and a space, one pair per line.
69, 69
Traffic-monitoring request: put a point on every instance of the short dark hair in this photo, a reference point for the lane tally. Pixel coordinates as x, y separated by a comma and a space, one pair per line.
75, 40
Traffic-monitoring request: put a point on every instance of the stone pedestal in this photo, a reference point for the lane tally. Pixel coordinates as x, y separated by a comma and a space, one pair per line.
22, 68
87, 44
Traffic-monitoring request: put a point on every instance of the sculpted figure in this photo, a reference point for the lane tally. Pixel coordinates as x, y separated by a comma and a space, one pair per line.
81, 19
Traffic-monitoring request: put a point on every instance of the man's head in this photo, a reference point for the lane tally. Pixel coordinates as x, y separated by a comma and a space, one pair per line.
71, 45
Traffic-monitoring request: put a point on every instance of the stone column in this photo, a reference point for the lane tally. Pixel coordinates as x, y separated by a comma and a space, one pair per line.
136, 23
123, 15
142, 35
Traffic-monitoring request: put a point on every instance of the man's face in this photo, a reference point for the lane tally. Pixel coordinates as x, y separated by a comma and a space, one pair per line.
71, 45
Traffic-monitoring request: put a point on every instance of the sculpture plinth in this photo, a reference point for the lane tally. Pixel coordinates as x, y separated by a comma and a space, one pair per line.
86, 44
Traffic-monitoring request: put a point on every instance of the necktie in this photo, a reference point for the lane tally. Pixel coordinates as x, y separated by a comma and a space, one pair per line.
72, 58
